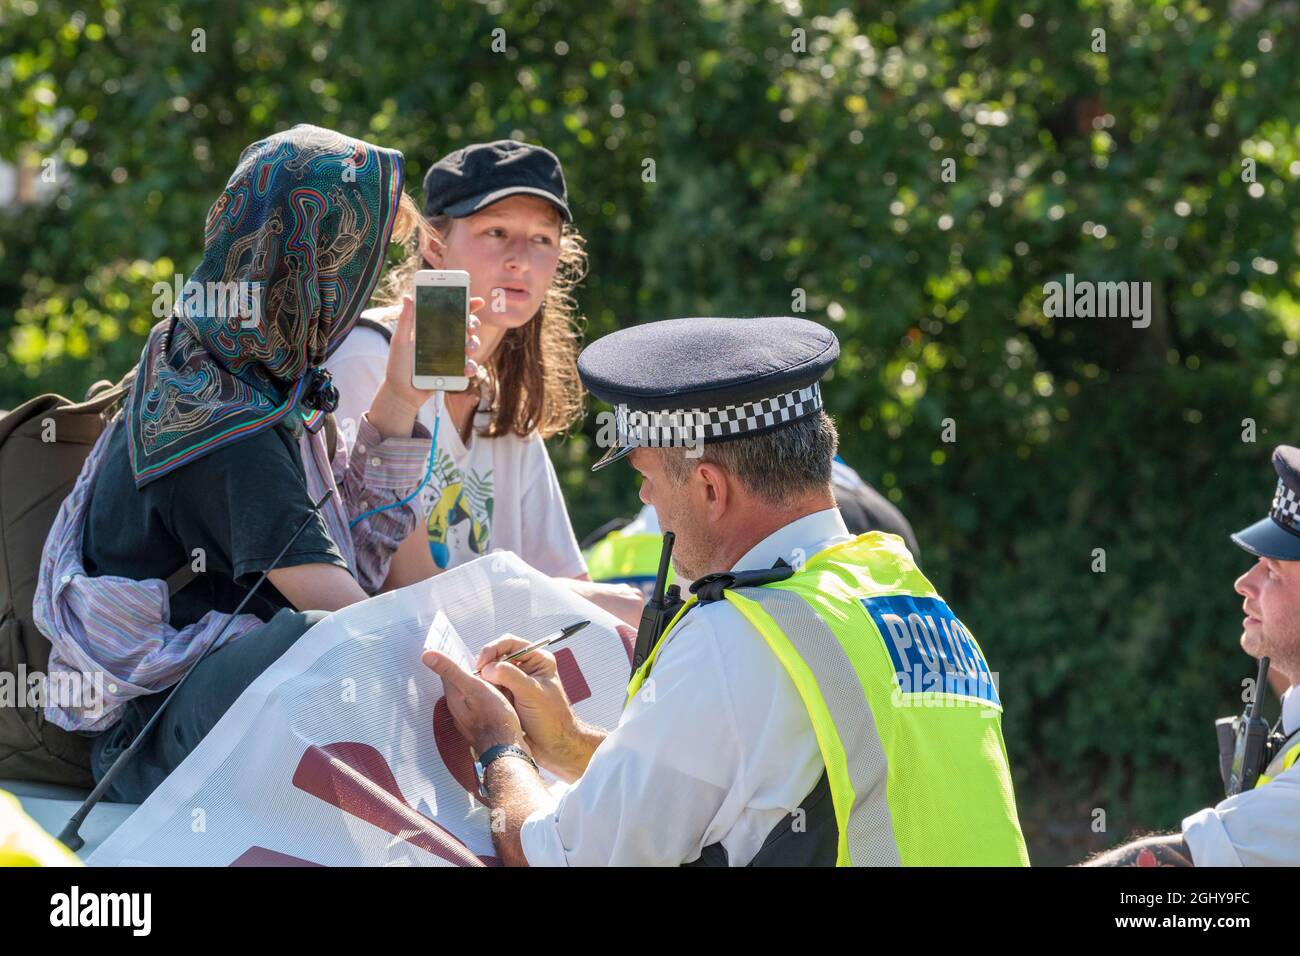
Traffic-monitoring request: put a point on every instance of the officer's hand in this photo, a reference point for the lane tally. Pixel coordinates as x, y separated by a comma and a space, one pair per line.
543, 708
481, 712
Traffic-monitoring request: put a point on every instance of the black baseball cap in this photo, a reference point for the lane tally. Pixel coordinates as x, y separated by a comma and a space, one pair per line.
1278, 535
470, 179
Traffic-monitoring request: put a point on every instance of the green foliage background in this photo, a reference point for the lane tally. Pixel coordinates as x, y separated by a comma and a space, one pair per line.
820, 170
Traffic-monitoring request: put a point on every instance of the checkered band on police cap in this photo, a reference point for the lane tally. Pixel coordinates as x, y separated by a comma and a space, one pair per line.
1286, 507
667, 428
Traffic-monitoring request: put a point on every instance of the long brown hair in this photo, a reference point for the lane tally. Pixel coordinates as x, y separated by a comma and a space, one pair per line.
533, 374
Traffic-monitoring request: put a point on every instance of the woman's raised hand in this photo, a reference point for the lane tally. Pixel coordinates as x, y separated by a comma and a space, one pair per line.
398, 401
401, 354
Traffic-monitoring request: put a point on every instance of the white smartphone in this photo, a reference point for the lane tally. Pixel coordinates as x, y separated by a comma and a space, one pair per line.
441, 314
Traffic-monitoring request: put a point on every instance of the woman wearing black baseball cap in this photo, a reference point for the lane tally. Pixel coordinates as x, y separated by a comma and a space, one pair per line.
500, 212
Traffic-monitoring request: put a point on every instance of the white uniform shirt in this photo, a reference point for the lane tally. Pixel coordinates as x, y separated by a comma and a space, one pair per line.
719, 748
1260, 827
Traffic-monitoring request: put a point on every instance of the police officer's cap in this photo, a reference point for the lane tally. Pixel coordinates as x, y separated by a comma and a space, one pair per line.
684, 381
1278, 535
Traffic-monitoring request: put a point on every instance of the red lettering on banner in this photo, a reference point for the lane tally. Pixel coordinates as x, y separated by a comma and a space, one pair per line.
575, 685
356, 778
261, 856
627, 635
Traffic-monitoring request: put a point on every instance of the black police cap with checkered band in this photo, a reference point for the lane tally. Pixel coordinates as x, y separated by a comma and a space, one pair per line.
1278, 535
682, 381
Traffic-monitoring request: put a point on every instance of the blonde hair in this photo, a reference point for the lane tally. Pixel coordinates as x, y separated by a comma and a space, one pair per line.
408, 223
533, 375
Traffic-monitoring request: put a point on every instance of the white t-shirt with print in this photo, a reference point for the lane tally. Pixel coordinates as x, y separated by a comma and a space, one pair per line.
495, 493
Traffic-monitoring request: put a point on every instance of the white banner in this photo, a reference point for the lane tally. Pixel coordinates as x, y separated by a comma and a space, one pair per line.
343, 753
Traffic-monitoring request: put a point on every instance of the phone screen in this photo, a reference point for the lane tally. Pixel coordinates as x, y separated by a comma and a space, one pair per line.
440, 329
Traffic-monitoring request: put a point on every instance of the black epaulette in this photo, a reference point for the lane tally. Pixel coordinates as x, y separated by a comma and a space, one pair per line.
710, 587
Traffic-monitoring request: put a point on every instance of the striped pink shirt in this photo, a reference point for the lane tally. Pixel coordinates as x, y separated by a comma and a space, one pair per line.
112, 633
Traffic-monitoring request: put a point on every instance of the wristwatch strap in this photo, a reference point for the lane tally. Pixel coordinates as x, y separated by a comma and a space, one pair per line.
492, 753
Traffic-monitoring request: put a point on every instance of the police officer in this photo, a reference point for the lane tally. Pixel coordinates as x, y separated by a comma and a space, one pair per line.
627, 552
1261, 826
838, 714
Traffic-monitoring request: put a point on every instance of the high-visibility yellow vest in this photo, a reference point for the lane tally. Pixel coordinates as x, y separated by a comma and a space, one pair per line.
624, 558
905, 710
1284, 760
24, 843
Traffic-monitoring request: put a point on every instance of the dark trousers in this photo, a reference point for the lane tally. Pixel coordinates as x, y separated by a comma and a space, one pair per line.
215, 683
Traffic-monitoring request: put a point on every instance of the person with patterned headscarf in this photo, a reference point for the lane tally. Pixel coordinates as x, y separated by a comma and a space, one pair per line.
220, 454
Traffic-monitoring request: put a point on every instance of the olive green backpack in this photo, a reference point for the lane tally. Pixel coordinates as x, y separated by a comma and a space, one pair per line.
43, 444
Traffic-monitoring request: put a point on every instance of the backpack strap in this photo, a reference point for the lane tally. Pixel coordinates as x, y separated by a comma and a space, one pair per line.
180, 578
98, 387
102, 396
383, 328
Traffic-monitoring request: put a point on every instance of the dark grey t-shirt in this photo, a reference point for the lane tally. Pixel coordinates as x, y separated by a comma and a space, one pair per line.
240, 504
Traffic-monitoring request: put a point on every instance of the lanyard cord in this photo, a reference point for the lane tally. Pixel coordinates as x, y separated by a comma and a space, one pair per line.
420, 487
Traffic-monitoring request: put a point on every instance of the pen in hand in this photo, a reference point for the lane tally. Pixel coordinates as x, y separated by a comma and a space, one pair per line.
538, 645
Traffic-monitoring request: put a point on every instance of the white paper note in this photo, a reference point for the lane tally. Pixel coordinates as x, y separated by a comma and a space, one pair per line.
443, 638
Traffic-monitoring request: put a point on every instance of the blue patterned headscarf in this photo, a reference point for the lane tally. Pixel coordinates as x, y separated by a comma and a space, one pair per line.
292, 250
